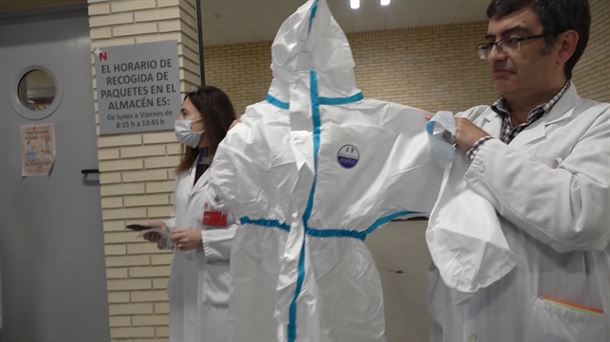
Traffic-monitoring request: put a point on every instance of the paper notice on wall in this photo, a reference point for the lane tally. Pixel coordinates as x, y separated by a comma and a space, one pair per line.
138, 87
37, 149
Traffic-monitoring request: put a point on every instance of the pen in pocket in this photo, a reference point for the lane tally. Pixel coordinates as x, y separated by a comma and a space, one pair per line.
573, 306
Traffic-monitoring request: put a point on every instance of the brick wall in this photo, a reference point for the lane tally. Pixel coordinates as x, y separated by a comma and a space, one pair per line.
137, 169
432, 68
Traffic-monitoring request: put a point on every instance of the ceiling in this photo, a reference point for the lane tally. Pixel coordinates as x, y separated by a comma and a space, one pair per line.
36, 5
239, 21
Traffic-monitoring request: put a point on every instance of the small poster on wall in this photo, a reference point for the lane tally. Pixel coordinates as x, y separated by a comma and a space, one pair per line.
37, 149
138, 87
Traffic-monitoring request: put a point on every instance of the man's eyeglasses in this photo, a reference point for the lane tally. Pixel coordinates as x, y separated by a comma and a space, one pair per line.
509, 44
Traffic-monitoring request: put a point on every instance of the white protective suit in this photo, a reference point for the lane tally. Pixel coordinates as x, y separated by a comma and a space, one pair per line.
551, 188
311, 172
256, 155
464, 235
198, 288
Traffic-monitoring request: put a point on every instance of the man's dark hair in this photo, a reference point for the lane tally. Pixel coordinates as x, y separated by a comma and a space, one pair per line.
556, 16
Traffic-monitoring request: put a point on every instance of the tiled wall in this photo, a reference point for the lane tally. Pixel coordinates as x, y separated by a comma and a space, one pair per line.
432, 68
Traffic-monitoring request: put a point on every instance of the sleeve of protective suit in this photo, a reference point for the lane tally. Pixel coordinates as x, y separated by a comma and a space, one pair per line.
219, 190
217, 243
564, 207
234, 185
225, 193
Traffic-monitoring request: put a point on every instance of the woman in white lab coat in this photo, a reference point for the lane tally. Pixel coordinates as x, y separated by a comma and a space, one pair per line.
198, 289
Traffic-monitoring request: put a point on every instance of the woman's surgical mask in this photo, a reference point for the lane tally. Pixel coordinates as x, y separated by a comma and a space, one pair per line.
185, 136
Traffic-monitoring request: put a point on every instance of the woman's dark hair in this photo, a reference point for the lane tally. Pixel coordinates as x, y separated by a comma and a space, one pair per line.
556, 16
217, 112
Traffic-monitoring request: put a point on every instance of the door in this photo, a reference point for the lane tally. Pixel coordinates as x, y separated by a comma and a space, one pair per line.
51, 239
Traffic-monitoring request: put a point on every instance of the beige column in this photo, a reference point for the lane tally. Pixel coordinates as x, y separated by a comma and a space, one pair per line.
137, 176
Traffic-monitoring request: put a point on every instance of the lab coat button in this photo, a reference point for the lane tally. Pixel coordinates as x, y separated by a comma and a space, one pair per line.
472, 338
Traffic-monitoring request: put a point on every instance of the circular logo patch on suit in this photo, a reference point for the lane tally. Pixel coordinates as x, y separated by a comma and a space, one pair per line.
348, 156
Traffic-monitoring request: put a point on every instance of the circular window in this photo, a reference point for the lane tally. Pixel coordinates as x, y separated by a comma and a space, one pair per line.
36, 90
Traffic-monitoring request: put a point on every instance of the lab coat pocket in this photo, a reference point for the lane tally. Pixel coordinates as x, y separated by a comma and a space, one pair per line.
552, 321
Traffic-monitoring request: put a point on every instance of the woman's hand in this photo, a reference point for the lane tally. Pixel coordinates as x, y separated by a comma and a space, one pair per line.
186, 239
154, 236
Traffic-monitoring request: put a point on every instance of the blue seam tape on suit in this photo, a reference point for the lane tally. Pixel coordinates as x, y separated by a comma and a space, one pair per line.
388, 218
335, 101
274, 101
269, 223
312, 14
328, 101
328, 233
315, 116
360, 235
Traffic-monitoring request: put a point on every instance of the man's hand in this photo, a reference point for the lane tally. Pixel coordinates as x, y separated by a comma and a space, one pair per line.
467, 134
186, 239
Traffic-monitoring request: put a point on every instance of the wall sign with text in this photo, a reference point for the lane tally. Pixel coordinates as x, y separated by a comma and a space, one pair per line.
138, 87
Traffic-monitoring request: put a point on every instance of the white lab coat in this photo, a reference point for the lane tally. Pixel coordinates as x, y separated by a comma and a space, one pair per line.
198, 288
550, 187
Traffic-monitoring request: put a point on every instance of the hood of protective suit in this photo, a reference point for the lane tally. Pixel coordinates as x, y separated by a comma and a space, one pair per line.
311, 39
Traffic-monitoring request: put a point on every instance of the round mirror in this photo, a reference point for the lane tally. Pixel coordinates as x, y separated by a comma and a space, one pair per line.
36, 89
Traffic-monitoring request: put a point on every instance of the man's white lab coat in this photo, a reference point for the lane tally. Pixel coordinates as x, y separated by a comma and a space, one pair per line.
550, 187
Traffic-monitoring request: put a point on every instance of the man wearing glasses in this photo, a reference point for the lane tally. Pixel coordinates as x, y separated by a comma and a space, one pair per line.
541, 155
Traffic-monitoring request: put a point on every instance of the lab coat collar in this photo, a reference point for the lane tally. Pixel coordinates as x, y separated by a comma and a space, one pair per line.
201, 182
562, 110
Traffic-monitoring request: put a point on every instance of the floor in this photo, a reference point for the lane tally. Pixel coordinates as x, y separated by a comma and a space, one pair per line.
402, 257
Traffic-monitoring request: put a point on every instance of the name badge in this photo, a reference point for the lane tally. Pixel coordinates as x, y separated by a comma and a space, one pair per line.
216, 219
